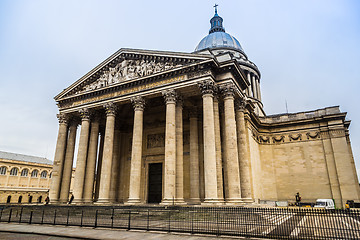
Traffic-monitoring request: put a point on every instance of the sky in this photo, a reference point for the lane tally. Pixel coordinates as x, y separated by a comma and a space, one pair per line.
307, 51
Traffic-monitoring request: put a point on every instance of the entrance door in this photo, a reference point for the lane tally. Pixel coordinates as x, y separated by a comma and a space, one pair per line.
155, 183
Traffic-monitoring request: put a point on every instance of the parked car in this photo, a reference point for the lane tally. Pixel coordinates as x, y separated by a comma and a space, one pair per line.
325, 203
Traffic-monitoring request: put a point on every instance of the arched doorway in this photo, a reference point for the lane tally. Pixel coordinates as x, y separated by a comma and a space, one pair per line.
30, 199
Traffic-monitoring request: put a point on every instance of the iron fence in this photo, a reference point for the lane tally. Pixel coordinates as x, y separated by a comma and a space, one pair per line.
289, 223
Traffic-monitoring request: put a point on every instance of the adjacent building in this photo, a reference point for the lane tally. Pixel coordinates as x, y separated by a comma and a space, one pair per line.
189, 128
23, 178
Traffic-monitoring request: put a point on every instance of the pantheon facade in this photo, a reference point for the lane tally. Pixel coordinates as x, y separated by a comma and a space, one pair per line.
159, 127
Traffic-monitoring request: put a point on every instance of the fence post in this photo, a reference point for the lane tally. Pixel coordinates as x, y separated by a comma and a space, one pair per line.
82, 215
10, 215
67, 217
129, 222
42, 216
169, 216
192, 221
217, 222
20, 214
31, 213
148, 215
55, 217
96, 216
112, 218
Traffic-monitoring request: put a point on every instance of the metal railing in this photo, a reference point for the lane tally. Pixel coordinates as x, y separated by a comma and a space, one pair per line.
289, 223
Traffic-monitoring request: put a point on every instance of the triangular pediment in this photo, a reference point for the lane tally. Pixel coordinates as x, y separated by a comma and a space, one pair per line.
126, 65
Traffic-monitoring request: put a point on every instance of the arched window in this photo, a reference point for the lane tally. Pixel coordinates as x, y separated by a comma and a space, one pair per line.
34, 173
43, 174
30, 199
39, 199
2, 170
14, 172
8, 200
50, 175
20, 199
24, 172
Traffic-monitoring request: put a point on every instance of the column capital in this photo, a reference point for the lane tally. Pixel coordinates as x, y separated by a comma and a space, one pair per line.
110, 108
207, 87
227, 90
85, 114
240, 104
63, 118
170, 96
138, 103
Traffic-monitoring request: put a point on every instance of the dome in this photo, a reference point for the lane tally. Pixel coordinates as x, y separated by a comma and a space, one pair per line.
217, 37
219, 40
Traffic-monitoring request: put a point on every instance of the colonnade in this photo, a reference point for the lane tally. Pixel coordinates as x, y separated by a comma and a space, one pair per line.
229, 153
254, 88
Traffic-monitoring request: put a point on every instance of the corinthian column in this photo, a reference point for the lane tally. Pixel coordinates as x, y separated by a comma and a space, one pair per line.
82, 156
136, 151
104, 190
69, 158
207, 88
59, 159
194, 159
218, 149
245, 181
233, 174
170, 147
179, 153
91, 161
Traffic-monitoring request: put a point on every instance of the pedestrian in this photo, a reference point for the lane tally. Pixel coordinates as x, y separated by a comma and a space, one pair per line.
47, 200
71, 198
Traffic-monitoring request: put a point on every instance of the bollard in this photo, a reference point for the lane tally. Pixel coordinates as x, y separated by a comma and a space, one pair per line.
31, 214
96, 216
55, 217
20, 214
42, 216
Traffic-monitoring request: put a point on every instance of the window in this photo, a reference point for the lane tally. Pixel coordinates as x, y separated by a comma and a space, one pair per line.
34, 173
2, 170
43, 174
14, 172
50, 175
24, 172
20, 199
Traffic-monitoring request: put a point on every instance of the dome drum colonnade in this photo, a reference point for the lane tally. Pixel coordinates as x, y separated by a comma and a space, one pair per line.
234, 133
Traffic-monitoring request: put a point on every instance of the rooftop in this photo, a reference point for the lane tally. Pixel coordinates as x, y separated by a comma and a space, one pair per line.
24, 158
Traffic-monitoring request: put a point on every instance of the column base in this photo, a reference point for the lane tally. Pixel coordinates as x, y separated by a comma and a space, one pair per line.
168, 202
102, 201
135, 201
247, 200
211, 202
88, 201
233, 201
194, 201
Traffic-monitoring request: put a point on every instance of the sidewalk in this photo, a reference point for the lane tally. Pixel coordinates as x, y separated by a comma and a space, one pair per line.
99, 233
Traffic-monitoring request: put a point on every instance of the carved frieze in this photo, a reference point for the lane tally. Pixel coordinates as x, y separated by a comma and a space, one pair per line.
127, 70
315, 135
199, 73
278, 139
295, 137
264, 139
156, 140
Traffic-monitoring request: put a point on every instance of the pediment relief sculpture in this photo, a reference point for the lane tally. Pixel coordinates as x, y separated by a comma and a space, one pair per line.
127, 70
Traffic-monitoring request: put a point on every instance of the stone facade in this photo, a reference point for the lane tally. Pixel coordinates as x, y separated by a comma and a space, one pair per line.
189, 128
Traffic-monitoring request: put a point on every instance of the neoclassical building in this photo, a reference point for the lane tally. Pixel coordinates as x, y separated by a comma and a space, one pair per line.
24, 178
189, 128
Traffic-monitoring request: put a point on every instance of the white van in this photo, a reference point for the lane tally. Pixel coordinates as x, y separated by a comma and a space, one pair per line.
325, 203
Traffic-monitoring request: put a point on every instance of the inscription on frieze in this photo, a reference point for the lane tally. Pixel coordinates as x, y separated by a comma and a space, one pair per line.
156, 140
